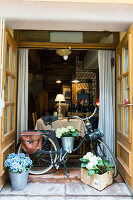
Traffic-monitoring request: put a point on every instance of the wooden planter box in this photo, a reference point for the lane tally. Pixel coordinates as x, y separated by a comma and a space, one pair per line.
97, 181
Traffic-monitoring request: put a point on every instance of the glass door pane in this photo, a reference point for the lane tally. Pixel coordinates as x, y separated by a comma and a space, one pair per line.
126, 90
6, 87
126, 120
120, 63
6, 119
126, 58
12, 118
120, 91
120, 119
12, 90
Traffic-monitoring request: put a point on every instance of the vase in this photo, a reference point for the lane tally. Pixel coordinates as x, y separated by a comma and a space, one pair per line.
19, 180
67, 143
97, 181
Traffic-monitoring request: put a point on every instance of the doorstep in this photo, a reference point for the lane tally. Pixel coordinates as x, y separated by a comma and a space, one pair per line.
66, 191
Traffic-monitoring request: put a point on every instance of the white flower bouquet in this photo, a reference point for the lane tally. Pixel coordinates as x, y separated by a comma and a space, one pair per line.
18, 162
95, 165
70, 131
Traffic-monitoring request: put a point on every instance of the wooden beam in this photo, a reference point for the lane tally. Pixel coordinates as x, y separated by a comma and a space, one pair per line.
16, 35
116, 38
73, 46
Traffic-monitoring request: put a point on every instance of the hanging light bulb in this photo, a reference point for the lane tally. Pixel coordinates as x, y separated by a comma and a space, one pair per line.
75, 81
58, 81
65, 57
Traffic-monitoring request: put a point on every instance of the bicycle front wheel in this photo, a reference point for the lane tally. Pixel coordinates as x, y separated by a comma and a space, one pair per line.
104, 152
41, 162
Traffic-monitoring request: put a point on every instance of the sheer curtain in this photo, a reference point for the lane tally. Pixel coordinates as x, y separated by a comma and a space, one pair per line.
22, 107
107, 96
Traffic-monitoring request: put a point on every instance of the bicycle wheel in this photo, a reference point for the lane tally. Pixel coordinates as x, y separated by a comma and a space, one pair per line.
42, 162
104, 152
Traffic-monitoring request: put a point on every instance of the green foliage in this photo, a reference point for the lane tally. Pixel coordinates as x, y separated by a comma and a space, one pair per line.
95, 165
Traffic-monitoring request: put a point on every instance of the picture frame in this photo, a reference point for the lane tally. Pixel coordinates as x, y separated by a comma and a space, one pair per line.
66, 91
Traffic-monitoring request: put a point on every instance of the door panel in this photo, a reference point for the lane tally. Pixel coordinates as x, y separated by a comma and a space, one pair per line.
124, 106
8, 119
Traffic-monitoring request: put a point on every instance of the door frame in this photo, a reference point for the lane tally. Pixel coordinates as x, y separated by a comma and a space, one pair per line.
36, 45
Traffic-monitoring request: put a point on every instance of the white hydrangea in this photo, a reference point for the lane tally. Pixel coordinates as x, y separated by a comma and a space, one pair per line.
93, 160
70, 127
58, 133
88, 156
98, 158
61, 131
89, 166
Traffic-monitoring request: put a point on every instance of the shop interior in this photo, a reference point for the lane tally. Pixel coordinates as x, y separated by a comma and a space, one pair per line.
76, 76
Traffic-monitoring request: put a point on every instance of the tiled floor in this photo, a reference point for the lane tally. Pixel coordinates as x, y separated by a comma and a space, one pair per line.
59, 176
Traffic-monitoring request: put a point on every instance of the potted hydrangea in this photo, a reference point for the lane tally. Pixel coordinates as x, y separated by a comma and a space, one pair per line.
96, 172
18, 166
67, 137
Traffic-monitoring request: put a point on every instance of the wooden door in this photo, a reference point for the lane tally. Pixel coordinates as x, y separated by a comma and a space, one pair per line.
124, 106
8, 119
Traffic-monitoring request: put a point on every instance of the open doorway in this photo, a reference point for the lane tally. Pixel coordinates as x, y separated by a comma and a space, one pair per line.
50, 74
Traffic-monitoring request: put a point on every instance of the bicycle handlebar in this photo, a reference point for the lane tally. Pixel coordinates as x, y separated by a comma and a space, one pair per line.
86, 118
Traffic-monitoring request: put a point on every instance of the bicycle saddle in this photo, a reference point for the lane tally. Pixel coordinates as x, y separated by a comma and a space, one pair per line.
48, 120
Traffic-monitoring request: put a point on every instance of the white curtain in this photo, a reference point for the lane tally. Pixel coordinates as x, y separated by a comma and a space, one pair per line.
107, 97
22, 109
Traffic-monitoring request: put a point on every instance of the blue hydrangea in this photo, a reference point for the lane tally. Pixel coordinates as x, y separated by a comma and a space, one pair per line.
18, 162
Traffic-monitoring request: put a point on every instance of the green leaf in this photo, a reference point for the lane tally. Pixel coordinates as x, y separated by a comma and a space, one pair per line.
74, 134
83, 164
83, 160
111, 165
106, 163
94, 167
91, 172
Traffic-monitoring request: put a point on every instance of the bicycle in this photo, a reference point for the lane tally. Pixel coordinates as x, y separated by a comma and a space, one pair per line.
52, 154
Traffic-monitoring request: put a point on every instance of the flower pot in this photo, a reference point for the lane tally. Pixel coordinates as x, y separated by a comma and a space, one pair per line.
97, 181
67, 143
19, 180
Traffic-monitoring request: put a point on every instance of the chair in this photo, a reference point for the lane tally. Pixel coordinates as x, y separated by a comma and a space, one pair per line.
34, 117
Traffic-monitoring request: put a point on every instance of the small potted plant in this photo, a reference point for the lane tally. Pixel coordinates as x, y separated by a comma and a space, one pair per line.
18, 166
67, 137
96, 172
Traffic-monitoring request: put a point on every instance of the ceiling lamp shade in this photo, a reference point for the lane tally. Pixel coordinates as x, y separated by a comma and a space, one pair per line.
64, 52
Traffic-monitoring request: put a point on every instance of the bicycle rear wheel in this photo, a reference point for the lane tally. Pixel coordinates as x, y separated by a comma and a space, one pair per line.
41, 162
104, 152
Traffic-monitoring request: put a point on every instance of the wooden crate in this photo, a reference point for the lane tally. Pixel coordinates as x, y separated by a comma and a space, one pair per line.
97, 181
